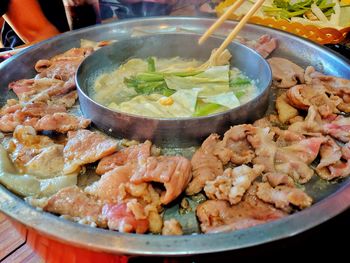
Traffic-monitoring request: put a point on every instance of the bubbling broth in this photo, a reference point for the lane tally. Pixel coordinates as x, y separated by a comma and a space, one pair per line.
173, 88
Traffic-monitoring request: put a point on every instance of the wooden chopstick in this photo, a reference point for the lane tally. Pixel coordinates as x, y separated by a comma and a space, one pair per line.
238, 27
221, 20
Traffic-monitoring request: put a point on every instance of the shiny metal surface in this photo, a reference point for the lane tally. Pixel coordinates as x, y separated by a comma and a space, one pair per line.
176, 132
331, 199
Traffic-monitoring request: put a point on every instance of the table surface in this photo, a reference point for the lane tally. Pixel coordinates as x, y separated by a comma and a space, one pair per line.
327, 237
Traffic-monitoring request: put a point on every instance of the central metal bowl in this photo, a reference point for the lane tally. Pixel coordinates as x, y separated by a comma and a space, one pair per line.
176, 132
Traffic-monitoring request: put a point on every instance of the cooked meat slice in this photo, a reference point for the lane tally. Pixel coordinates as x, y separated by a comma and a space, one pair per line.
22, 86
73, 202
307, 149
144, 202
172, 171
135, 153
67, 100
330, 153
107, 188
345, 151
290, 164
234, 146
205, 165
285, 73
265, 45
334, 85
120, 218
339, 128
286, 137
324, 173
219, 216
40, 109
25, 145
232, 185
63, 66
283, 196
339, 170
9, 122
312, 125
11, 106
295, 96
61, 122
39, 90
25, 115
275, 179
62, 70
85, 147
303, 96
263, 123
284, 109
265, 148
172, 227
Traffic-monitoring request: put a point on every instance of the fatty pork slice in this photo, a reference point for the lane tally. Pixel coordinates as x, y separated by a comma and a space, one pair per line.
35, 154
117, 169
206, 165
303, 96
265, 147
338, 128
77, 205
306, 149
334, 162
218, 216
234, 146
283, 197
174, 172
108, 187
334, 85
120, 218
83, 147
312, 125
285, 73
15, 115
42, 90
265, 45
232, 185
63, 66
330, 153
61, 122
275, 179
135, 153
294, 159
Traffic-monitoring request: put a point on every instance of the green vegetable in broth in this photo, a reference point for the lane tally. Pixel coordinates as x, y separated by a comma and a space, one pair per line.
174, 88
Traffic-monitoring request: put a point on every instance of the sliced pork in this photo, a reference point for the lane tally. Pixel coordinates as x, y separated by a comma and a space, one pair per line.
83, 147
73, 202
61, 122
232, 185
219, 216
206, 165
285, 73
283, 197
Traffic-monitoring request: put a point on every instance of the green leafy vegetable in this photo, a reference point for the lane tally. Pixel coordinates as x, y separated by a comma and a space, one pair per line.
239, 81
151, 64
204, 109
286, 9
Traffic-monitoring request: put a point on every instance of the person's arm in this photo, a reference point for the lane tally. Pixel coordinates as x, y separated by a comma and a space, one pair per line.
28, 21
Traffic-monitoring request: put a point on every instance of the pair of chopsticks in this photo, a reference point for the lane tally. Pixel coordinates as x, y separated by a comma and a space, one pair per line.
237, 28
